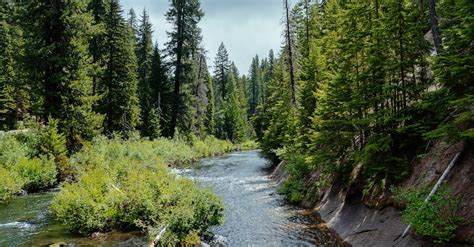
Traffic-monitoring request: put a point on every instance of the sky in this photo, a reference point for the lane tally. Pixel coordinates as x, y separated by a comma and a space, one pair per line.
247, 27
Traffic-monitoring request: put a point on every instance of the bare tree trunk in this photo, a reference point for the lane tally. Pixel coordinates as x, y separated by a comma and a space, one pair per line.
434, 27
290, 54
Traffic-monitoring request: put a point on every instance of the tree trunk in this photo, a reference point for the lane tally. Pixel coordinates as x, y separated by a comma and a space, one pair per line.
434, 27
290, 54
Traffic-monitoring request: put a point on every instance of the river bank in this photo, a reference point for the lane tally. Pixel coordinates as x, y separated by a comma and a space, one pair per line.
255, 213
363, 221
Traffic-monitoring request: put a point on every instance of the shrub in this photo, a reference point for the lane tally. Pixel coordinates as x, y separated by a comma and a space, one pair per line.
83, 207
211, 146
297, 169
249, 145
126, 184
437, 218
10, 184
53, 144
37, 174
11, 151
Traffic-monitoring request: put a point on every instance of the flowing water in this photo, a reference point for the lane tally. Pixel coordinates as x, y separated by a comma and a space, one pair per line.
255, 214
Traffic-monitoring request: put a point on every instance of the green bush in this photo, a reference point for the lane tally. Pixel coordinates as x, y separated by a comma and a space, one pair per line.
211, 146
10, 184
437, 218
297, 169
84, 207
53, 144
248, 145
12, 151
37, 174
126, 184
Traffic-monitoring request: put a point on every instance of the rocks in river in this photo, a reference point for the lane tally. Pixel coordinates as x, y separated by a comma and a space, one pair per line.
219, 241
214, 240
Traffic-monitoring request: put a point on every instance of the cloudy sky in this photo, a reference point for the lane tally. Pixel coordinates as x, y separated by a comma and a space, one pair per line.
247, 27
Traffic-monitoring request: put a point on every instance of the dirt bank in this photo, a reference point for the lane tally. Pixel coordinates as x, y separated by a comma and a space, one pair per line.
346, 211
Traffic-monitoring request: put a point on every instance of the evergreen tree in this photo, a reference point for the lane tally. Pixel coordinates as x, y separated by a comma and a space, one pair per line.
452, 104
133, 23
234, 126
14, 98
184, 15
221, 71
99, 10
59, 65
120, 101
145, 57
254, 86
211, 108
200, 93
160, 95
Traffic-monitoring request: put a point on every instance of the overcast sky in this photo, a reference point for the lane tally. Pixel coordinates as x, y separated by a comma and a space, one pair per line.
247, 27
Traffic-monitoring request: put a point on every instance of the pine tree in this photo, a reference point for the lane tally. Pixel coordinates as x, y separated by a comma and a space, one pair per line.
59, 64
99, 10
160, 96
14, 98
452, 104
200, 93
145, 57
185, 37
120, 101
221, 71
254, 86
234, 127
211, 109
289, 51
133, 23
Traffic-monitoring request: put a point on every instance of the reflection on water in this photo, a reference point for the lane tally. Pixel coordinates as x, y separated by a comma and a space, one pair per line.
255, 214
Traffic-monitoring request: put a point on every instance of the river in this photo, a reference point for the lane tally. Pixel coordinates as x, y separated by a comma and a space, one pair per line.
255, 214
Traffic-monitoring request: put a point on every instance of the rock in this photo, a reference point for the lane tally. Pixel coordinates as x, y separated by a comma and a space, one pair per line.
23, 193
98, 235
204, 245
219, 241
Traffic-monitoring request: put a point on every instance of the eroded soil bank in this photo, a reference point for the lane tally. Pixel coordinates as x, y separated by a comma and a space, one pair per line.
377, 221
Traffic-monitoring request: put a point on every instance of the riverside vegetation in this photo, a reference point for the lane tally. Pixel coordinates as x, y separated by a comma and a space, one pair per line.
359, 90
115, 183
109, 112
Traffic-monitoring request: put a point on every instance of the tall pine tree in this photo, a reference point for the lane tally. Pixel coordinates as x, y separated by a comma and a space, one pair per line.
184, 16
119, 88
59, 64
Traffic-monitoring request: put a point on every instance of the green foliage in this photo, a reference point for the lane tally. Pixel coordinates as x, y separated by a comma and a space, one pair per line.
248, 145
298, 170
127, 185
53, 144
82, 207
119, 86
23, 166
11, 151
380, 162
59, 66
210, 146
37, 174
436, 218
10, 184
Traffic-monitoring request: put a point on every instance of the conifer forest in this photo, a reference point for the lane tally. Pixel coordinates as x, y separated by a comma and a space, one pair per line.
362, 120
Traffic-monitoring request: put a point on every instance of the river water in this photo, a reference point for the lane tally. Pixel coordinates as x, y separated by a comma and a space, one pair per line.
255, 214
